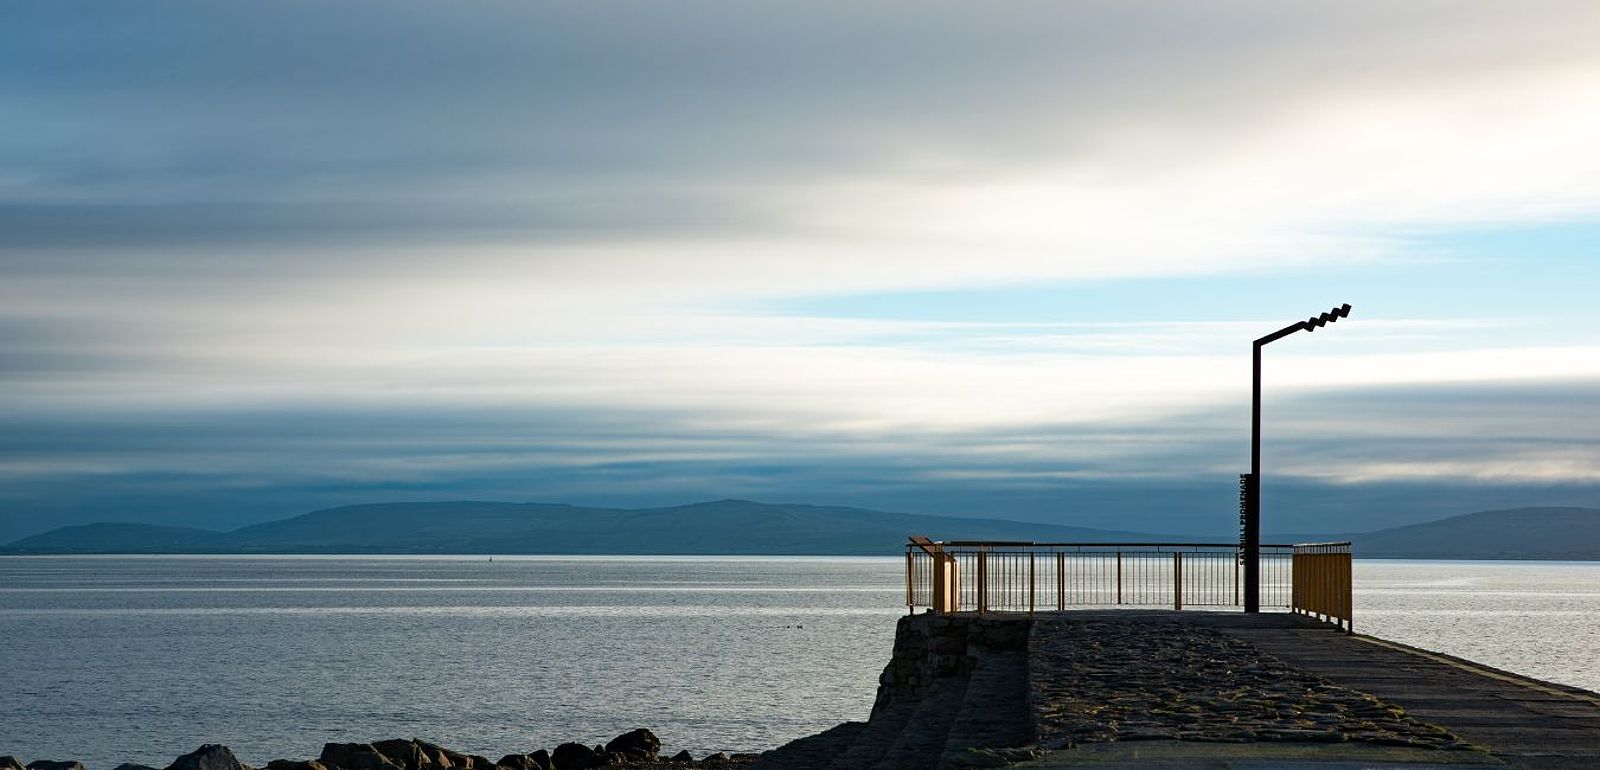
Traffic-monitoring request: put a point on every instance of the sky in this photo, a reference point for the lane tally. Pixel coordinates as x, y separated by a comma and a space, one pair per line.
941, 257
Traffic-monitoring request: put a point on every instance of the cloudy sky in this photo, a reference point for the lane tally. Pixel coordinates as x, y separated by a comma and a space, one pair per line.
971, 258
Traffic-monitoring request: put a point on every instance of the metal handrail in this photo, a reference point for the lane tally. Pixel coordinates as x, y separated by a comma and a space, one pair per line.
1018, 543
1025, 576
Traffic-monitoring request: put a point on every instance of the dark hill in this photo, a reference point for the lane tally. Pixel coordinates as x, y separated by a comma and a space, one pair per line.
445, 527
720, 527
119, 538
1518, 533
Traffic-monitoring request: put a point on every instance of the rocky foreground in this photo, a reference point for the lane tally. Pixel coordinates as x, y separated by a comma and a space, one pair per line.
636, 750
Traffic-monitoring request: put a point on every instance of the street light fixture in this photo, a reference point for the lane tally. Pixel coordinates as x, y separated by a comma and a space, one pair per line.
1250, 515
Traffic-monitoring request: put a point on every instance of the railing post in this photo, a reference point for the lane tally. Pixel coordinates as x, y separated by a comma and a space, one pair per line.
1315, 584
983, 581
1294, 581
911, 596
1312, 590
1119, 576
1177, 580
1319, 585
1323, 595
1031, 582
952, 582
1061, 581
1236, 559
1327, 584
1348, 564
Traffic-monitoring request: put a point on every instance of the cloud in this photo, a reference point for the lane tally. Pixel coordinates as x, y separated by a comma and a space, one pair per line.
1367, 458
454, 249
1523, 431
963, 125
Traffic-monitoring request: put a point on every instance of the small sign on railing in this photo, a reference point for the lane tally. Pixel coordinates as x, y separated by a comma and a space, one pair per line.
1245, 480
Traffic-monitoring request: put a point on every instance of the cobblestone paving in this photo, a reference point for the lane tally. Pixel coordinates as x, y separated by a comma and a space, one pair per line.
1101, 680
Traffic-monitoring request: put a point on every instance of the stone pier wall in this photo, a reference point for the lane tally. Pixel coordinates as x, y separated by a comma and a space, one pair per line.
930, 647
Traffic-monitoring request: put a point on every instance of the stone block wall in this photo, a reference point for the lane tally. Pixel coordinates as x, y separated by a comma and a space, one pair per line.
928, 647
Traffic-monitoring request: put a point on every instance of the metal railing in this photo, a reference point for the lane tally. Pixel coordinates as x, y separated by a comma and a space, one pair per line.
1322, 578
1312, 579
981, 576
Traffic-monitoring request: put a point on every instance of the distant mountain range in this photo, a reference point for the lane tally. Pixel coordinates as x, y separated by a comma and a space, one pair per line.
745, 527
467, 527
1518, 533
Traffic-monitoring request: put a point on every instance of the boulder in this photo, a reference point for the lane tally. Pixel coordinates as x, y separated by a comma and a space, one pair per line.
717, 757
10, 763
296, 764
539, 760
405, 754
372, 760
444, 758
354, 756
636, 744
212, 756
45, 764
683, 756
573, 756
342, 754
480, 763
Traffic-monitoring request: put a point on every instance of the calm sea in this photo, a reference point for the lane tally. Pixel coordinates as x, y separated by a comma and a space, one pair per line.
139, 659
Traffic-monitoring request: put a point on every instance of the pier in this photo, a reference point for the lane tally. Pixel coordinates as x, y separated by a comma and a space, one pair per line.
1055, 656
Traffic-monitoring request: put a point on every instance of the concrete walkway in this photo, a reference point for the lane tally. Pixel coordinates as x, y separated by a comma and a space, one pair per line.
1523, 721
1185, 755
1517, 721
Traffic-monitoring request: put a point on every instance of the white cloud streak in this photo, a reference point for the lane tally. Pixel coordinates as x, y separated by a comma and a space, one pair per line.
1290, 137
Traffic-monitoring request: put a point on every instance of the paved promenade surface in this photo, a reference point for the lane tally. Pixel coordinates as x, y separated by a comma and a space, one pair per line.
1508, 720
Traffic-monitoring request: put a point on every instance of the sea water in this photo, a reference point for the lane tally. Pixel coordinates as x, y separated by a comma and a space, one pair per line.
140, 659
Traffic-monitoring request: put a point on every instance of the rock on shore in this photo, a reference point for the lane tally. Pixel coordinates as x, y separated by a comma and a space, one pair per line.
212, 756
637, 749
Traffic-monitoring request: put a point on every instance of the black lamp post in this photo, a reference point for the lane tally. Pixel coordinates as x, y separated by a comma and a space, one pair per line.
1251, 524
